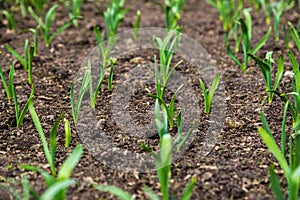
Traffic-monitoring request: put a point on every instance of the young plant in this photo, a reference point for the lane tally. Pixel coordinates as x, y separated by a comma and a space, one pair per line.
278, 8
113, 16
172, 9
20, 115
84, 85
163, 165
61, 178
136, 26
295, 35
8, 86
25, 61
246, 44
209, 95
291, 165
230, 11
28, 193
163, 72
11, 19
74, 10
45, 26
265, 67
94, 94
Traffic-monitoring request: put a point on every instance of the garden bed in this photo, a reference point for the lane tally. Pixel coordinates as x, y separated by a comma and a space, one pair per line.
237, 166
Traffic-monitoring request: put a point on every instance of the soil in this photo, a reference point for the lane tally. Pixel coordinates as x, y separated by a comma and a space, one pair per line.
236, 167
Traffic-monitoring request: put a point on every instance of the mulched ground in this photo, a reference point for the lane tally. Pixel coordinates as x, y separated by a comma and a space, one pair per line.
237, 166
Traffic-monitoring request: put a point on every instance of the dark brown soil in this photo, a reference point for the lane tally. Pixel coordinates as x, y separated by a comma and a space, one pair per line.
237, 166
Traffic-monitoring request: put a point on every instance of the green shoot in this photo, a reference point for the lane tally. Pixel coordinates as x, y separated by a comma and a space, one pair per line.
113, 16
8, 87
230, 11
56, 179
166, 49
266, 69
94, 94
45, 26
209, 95
246, 44
67, 128
74, 10
20, 115
24, 61
172, 9
295, 35
136, 26
118, 192
278, 9
11, 19
76, 105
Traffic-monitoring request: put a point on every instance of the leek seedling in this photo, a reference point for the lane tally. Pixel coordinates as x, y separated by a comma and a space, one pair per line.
166, 49
266, 69
172, 9
295, 35
11, 19
45, 26
170, 110
246, 44
74, 10
209, 95
290, 167
65, 171
28, 55
136, 26
20, 116
230, 11
94, 94
30, 58
67, 128
278, 9
76, 105
163, 166
8, 87
113, 16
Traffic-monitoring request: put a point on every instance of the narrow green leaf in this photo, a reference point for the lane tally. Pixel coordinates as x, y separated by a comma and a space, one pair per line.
205, 95
151, 194
17, 56
272, 146
69, 164
188, 191
56, 188
118, 192
262, 41
275, 184
39, 128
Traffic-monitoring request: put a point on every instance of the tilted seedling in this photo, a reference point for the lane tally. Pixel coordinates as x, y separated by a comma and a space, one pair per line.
208, 96
265, 67
295, 35
45, 26
11, 19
